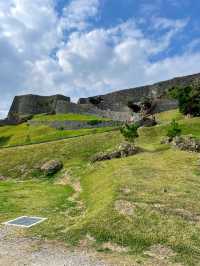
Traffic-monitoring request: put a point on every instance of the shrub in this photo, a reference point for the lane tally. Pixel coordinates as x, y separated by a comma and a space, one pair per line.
174, 130
130, 132
28, 139
94, 122
188, 99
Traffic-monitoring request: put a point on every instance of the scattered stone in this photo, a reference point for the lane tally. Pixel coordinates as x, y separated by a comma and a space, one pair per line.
125, 207
3, 178
160, 252
166, 140
114, 247
185, 214
187, 143
87, 242
124, 150
51, 167
125, 190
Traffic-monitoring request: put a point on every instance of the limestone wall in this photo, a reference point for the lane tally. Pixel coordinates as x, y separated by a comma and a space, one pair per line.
34, 104
70, 125
117, 101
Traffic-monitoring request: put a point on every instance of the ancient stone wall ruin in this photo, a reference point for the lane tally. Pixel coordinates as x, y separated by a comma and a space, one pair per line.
117, 101
112, 105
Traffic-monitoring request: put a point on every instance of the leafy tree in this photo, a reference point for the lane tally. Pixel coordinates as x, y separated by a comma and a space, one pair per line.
188, 99
174, 129
130, 132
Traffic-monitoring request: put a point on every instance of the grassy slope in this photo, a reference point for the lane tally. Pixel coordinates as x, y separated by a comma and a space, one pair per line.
159, 175
69, 116
24, 134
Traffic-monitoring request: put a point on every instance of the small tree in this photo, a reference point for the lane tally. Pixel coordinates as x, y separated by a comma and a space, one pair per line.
130, 132
188, 99
174, 129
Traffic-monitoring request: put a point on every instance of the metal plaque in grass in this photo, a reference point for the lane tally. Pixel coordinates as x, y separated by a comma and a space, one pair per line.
26, 221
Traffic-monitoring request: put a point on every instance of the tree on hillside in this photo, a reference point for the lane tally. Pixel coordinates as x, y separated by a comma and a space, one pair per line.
188, 99
130, 132
174, 130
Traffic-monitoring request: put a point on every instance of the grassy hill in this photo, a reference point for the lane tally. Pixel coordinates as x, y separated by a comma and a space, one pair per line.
69, 116
160, 182
29, 134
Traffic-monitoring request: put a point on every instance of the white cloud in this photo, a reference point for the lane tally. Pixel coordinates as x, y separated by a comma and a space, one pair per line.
37, 56
76, 15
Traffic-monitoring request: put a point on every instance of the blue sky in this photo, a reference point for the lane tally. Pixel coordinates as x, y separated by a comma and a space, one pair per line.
87, 47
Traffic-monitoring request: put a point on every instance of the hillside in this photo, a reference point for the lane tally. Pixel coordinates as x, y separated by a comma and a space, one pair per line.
39, 129
161, 185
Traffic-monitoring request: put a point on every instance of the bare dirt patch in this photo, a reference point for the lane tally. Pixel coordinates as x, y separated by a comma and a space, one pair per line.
17, 250
161, 256
114, 247
185, 214
125, 207
125, 190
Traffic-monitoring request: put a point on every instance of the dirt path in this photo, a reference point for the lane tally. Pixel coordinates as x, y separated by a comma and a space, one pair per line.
16, 250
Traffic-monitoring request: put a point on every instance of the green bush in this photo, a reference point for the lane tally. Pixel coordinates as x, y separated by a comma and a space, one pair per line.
174, 129
94, 122
188, 99
28, 139
130, 132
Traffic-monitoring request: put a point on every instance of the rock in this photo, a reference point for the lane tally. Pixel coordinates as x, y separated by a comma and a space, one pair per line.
125, 207
51, 167
127, 149
166, 140
124, 150
3, 178
147, 122
187, 143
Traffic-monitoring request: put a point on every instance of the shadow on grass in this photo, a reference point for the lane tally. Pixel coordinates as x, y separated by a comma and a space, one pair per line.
4, 140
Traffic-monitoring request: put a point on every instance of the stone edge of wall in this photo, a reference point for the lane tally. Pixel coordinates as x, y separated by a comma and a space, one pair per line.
72, 125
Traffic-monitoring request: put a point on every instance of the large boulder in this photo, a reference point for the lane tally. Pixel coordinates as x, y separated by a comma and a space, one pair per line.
51, 167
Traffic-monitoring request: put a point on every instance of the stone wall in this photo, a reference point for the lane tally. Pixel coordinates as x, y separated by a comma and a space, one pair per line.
117, 101
34, 104
112, 105
63, 108
70, 125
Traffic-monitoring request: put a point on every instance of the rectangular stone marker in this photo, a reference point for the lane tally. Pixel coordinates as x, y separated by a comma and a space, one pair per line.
25, 221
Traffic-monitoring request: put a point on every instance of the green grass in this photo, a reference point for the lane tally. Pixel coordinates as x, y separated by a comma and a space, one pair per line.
157, 175
24, 134
169, 115
23, 198
69, 116
31, 134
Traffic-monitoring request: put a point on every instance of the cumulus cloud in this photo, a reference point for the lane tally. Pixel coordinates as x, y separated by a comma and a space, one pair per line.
46, 53
77, 14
